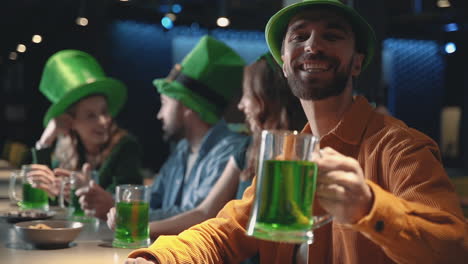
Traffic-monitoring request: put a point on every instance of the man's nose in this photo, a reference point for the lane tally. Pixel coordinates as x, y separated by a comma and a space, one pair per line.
104, 119
240, 105
159, 115
312, 44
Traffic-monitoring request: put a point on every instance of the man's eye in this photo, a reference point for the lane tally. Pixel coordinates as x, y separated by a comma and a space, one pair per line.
332, 37
298, 38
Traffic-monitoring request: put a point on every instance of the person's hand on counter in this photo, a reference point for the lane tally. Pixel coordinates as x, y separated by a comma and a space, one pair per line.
95, 200
111, 219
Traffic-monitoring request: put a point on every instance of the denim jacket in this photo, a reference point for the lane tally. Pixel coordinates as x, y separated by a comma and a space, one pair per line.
170, 195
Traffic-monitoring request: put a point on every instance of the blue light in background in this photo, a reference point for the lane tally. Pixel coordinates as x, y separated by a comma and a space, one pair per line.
167, 23
195, 26
451, 27
163, 8
450, 47
176, 8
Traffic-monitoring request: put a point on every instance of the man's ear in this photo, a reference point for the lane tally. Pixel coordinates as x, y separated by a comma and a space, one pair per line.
357, 64
187, 112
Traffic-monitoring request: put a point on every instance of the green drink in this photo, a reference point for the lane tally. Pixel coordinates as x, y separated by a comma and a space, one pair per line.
131, 228
288, 195
72, 183
285, 189
75, 204
288, 188
34, 198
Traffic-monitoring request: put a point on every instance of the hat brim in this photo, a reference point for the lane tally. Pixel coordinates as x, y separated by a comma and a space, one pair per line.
278, 23
114, 90
207, 111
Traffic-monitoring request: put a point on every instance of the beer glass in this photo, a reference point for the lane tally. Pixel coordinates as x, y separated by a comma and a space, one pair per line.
69, 185
132, 216
30, 198
286, 180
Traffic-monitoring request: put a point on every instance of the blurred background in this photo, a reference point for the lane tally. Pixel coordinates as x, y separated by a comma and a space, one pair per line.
420, 73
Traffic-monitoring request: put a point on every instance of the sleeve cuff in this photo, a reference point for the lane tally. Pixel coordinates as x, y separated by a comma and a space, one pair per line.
144, 253
386, 217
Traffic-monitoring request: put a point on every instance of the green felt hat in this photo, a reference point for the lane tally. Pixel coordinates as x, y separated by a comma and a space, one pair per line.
206, 79
278, 23
70, 75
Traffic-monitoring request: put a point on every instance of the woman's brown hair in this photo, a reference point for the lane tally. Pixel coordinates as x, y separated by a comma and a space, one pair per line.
279, 108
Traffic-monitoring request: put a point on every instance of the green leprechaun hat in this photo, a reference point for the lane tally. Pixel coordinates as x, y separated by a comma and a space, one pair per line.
206, 79
278, 23
70, 75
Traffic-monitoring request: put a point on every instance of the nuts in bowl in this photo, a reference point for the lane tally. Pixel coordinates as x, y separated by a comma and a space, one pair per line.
49, 233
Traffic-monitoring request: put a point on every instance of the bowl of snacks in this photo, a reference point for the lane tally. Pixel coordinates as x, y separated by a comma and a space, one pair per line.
49, 233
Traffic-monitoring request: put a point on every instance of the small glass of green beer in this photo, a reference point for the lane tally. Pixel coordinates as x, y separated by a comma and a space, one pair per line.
286, 180
30, 198
68, 187
132, 216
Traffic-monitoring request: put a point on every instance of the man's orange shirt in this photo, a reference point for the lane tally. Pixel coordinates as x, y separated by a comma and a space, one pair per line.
415, 218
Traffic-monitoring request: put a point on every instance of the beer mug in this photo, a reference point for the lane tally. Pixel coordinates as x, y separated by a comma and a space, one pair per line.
132, 216
286, 181
68, 187
29, 197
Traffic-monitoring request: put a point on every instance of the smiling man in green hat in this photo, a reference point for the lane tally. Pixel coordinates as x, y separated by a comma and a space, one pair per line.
382, 181
193, 98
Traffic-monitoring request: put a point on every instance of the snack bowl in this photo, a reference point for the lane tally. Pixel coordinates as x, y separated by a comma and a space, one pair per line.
49, 233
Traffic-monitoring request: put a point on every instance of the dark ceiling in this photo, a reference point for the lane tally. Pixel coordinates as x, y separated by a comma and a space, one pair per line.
20, 19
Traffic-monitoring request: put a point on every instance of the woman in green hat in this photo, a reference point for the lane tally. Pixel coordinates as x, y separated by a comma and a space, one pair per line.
80, 132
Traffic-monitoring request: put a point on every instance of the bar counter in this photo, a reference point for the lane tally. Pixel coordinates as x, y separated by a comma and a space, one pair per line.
93, 244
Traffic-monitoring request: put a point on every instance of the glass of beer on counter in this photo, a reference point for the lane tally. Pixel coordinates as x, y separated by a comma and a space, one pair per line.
28, 197
132, 216
68, 188
285, 188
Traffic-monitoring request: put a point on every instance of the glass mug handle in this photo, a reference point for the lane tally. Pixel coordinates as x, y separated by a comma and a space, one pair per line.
320, 220
63, 183
12, 188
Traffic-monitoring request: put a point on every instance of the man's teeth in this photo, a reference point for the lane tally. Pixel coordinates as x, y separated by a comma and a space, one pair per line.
315, 68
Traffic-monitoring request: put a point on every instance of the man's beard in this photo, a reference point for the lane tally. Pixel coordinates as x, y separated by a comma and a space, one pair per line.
172, 135
312, 91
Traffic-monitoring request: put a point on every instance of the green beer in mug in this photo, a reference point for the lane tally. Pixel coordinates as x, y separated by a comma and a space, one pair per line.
132, 222
72, 183
286, 181
32, 198
132, 216
75, 204
288, 195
